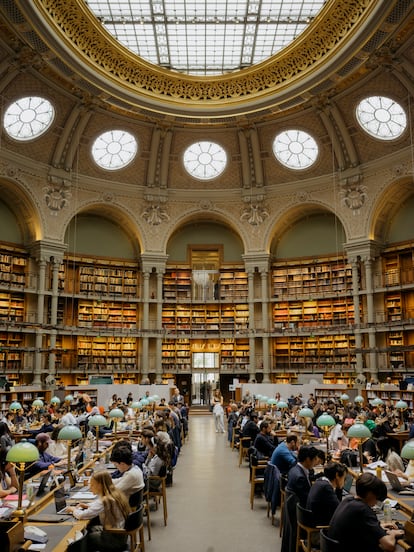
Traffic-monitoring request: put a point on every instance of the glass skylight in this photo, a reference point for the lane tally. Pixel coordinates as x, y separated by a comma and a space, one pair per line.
295, 149
205, 37
205, 160
28, 118
381, 117
114, 149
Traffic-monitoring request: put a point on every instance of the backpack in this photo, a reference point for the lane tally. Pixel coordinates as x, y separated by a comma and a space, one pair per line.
349, 457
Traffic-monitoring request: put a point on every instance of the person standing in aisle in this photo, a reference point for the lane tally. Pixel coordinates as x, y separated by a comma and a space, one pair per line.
218, 411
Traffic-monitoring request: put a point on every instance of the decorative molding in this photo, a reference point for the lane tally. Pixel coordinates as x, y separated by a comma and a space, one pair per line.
353, 194
255, 214
154, 214
346, 23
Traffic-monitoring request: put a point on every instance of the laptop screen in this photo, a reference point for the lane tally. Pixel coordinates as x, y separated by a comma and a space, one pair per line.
60, 500
43, 484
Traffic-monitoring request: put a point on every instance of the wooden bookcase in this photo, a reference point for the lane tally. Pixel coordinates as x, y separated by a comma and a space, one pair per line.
309, 277
25, 395
106, 354
313, 312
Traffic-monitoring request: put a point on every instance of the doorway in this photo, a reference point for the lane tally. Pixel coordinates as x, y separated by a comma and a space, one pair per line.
205, 368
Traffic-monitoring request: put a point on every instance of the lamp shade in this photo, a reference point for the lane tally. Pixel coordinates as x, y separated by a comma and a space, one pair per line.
97, 421
359, 399
359, 431
15, 406
282, 404
156, 397
22, 452
55, 400
401, 405
408, 450
306, 412
69, 398
144, 402
37, 403
377, 402
151, 400
136, 405
258, 396
344, 397
116, 413
271, 402
70, 433
325, 420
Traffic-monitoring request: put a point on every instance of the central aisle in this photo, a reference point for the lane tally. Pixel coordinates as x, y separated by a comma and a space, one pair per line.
208, 505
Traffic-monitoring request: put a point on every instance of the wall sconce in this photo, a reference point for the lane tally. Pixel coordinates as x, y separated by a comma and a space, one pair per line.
69, 434
97, 421
361, 433
19, 455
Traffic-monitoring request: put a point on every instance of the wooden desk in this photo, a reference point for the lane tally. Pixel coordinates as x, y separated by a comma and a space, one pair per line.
400, 436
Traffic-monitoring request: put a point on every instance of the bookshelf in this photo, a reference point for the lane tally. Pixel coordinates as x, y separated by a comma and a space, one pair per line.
207, 318
107, 314
106, 354
13, 267
12, 307
390, 394
11, 354
234, 355
25, 395
177, 284
314, 353
91, 276
314, 312
308, 277
176, 355
233, 285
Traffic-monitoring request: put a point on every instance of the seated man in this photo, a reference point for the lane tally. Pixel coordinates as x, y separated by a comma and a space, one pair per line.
326, 493
131, 479
298, 481
265, 442
251, 429
354, 523
284, 456
47, 425
46, 461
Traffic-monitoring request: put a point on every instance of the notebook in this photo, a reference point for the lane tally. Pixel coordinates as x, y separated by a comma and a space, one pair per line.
397, 486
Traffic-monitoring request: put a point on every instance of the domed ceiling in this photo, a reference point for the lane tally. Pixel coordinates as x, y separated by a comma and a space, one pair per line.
210, 62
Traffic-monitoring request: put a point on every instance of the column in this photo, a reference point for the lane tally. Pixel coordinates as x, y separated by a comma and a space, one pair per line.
145, 301
357, 314
37, 370
266, 360
158, 341
53, 314
265, 299
370, 315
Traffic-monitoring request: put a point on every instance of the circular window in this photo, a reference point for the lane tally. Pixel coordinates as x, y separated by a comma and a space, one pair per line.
28, 118
205, 160
295, 149
381, 117
114, 149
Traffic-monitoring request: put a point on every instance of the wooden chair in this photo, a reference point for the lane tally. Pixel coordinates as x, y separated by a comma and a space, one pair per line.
244, 445
133, 524
256, 478
146, 506
306, 530
158, 490
283, 482
327, 544
234, 435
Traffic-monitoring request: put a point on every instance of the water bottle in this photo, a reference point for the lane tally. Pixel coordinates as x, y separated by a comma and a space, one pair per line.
387, 511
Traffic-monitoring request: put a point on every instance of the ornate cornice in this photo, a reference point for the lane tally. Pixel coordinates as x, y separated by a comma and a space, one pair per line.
339, 32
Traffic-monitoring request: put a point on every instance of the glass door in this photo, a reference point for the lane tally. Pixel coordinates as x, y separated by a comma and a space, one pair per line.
205, 369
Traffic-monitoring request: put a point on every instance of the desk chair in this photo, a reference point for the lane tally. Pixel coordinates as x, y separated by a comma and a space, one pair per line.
328, 544
146, 506
283, 483
256, 479
244, 445
234, 435
158, 493
306, 528
133, 524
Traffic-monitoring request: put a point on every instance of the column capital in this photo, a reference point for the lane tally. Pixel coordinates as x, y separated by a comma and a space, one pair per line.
363, 249
257, 260
47, 251
154, 260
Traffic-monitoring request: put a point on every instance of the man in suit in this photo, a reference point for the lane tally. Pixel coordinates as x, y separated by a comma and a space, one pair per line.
326, 493
298, 476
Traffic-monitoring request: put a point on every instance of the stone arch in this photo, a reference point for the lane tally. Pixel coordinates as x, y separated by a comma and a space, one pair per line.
24, 209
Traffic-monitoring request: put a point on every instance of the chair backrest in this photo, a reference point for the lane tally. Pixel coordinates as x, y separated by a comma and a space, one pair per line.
134, 519
327, 544
304, 517
135, 500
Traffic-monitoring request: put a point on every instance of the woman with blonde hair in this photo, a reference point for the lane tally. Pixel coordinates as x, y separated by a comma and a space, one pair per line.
112, 508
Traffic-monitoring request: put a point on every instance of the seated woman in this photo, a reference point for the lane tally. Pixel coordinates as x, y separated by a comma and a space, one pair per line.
8, 479
112, 508
158, 460
387, 453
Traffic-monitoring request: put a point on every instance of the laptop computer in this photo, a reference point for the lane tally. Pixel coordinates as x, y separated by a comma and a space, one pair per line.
60, 507
397, 486
43, 484
349, 480
60, 501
